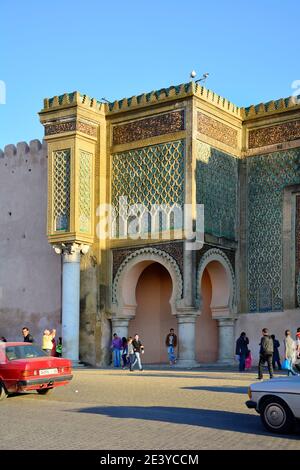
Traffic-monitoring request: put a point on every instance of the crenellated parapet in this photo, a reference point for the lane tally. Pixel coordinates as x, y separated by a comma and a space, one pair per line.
23, 156
73, 99
171, 93
271, 107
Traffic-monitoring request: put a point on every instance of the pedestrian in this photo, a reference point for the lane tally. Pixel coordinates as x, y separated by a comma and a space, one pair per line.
47, 342
53, 350
124, 352
59, 347
248, 361
116, 348
130, 353
3, 339
242, 350
276, 356
297, 358
290, 351
138, 350
265, 353
171, 343
28, 338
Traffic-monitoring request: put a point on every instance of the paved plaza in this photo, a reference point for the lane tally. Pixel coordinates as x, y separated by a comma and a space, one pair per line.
153, 409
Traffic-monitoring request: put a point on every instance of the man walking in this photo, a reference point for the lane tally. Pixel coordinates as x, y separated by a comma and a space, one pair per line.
28, 338
138, 350
265, 353
171, 343
276, 355
242, 350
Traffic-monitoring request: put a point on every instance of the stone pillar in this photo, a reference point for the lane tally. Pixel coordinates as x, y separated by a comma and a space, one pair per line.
226, 341
186, 339
71, 302
120, 326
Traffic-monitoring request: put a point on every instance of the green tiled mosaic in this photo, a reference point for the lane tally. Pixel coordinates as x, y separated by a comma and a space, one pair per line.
268, 175
217, 179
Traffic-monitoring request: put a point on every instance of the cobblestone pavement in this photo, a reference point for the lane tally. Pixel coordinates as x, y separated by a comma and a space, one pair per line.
154, 409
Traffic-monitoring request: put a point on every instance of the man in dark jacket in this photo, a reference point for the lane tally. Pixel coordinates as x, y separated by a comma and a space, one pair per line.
27, 336
276, 355
171, 343
242, 350
265, 353
138, 350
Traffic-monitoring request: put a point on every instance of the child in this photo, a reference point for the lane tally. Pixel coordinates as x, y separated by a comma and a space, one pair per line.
248, 361
59, 347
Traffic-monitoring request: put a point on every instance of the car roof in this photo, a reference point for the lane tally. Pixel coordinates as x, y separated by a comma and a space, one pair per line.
13, 343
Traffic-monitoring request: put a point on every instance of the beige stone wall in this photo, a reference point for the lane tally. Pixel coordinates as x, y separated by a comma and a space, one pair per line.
30, 271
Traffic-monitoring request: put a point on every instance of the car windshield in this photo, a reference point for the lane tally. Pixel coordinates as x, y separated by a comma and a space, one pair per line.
23, 352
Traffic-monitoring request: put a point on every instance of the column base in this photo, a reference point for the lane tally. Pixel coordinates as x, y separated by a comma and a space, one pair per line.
77, 365
226, 362
188, 363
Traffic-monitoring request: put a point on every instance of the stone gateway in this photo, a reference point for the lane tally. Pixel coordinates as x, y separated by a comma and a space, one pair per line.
179, 146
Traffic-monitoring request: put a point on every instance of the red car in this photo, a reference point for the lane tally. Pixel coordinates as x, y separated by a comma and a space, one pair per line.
24, 367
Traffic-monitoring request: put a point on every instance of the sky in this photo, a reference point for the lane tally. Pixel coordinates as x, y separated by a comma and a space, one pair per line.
120, 48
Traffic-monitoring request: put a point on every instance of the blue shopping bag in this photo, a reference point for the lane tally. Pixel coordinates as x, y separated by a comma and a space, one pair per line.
286, 365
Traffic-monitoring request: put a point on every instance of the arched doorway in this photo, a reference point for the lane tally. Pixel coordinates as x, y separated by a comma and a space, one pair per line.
153, 318
146, 291
207, 340
215, 326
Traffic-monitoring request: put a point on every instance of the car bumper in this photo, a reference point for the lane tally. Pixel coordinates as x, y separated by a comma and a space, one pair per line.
251, 404
43, 382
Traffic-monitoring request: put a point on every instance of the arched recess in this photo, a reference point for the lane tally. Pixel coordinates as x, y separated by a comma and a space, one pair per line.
126, 279
215, 284
223, 282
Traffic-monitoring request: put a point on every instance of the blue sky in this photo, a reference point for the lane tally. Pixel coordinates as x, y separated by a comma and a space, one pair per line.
126, 47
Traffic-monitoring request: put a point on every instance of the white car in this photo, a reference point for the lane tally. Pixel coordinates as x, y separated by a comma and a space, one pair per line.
277, 401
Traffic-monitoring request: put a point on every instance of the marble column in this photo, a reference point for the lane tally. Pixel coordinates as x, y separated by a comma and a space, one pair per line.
186, 339
71, 302
226, 341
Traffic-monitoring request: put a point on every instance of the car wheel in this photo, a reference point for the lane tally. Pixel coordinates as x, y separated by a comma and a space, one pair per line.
3, 393
44, 391
276, 416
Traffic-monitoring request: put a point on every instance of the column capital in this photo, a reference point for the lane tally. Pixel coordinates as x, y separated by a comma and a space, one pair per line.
71, 251
187, 315
120, 322
226, 321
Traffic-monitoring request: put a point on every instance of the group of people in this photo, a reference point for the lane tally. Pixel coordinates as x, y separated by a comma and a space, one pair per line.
49, 344
269, 353
128, 351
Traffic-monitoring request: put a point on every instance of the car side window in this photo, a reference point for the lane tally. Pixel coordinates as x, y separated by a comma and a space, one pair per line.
11, 354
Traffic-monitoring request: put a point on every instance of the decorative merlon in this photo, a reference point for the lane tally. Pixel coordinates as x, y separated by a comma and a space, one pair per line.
271, 107
73, 99
22, 149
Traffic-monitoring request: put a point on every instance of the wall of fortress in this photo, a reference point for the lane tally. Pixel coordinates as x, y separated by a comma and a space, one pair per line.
30, 271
